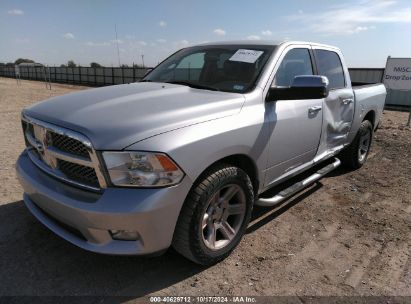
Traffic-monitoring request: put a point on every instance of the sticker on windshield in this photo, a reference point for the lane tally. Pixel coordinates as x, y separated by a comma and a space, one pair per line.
249, 56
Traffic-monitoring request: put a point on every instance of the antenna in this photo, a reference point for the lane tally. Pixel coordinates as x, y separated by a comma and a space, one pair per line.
118, 50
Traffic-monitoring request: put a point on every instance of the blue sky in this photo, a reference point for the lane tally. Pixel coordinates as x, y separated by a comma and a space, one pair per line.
52, 32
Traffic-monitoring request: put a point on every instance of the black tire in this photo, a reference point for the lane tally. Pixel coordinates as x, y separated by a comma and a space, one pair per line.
354, 156
189, 238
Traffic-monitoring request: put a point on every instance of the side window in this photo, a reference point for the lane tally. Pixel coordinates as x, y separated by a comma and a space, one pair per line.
295, 63
329, 64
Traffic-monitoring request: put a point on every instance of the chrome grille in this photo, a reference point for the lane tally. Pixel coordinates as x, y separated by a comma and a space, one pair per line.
83, 174
69, 145
65, 154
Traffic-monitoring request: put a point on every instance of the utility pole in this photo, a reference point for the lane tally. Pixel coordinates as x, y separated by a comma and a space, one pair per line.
118, 50
142, 59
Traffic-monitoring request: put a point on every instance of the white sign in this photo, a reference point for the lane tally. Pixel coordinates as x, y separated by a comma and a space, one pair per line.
398, 74
249, 56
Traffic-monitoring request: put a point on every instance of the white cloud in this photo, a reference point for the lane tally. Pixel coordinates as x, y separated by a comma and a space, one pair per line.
68, 36
91, 43
253, 37
359, 29
266, 33
15, 12
181, 43
22, 40
161, 40
162, 23
300, 12
119, 41
354, 18
219, 32
142, 43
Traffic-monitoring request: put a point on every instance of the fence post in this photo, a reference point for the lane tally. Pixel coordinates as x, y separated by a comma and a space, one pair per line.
112, 75
122, 75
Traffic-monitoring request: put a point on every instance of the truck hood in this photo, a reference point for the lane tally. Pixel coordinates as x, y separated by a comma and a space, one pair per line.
115, 117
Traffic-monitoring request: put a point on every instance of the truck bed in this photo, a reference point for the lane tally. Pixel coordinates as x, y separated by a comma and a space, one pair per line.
368, 97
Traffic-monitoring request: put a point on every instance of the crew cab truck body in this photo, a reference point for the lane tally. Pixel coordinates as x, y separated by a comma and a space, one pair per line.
181, 157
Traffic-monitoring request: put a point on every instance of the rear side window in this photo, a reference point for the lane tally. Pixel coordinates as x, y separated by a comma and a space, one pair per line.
296, 62
329, 64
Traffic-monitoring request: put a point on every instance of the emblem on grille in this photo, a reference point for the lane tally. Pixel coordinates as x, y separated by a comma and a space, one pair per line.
42, 142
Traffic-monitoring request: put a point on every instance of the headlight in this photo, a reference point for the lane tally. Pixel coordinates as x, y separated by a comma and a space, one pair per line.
141, 169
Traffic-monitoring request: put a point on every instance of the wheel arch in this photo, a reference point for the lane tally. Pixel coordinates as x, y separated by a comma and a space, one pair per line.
242, 161
370, 116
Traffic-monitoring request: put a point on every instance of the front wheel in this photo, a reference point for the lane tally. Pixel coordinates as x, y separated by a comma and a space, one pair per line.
215, 215
355, 155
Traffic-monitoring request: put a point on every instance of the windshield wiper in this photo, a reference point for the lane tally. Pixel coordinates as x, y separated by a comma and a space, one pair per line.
193, 85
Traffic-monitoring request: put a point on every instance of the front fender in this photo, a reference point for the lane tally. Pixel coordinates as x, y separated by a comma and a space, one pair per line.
196, 147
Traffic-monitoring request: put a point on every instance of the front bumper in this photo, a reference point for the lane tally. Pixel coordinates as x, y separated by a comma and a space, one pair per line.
84, 218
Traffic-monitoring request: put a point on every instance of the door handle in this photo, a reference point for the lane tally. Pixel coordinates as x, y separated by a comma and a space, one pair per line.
315, 109
347, 101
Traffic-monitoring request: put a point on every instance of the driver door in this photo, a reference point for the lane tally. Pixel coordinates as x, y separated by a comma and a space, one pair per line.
296, 127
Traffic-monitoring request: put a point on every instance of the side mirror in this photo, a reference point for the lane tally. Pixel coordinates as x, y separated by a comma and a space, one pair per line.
302, 87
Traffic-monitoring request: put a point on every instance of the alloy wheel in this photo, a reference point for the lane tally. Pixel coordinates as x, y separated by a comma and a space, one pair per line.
223, 216
364, 146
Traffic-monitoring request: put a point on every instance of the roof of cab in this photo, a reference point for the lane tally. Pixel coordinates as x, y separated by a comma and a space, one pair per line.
266, 42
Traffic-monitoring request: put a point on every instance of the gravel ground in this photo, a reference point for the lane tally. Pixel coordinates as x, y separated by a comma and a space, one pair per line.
349, 234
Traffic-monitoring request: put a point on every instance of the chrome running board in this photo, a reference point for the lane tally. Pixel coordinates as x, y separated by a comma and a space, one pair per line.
297, 187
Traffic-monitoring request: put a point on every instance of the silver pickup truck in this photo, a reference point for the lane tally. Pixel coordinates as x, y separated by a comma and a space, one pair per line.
180, 158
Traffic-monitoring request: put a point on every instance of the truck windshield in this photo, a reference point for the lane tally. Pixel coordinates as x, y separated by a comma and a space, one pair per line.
228, 68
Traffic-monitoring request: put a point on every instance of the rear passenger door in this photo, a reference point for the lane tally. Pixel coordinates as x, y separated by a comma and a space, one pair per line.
338, 109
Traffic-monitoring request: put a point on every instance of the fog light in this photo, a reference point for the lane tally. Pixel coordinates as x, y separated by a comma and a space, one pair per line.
124, 235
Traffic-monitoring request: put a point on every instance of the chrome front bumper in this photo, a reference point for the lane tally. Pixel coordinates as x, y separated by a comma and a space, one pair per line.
85, 218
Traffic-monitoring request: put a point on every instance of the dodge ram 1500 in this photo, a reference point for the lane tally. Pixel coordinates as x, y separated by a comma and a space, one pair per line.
180, 158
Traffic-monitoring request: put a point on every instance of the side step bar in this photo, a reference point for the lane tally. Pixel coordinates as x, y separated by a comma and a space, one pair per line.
297, 187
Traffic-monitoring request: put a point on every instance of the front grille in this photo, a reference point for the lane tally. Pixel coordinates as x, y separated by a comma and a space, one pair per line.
62, 153
83, 174
69, 145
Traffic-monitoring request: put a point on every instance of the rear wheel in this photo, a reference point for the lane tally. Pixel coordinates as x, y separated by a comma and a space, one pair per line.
215, 215
355, 155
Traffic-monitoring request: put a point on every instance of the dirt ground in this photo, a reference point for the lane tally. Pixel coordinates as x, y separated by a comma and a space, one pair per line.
349, 234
